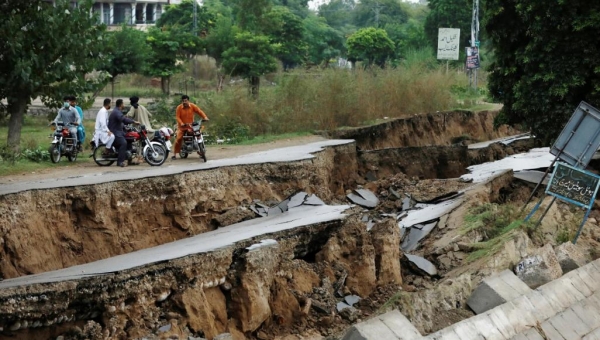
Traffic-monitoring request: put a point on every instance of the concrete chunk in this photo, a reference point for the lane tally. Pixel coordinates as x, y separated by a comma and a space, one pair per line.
532, 334
569, 257
496, 290
551, 332
372, 329
400, 326
502, 323
570, 318
539, 268
594, 335
486, 327
467, 331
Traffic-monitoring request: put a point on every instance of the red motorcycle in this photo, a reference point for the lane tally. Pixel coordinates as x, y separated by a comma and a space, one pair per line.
63, 144
193, 140
138, 143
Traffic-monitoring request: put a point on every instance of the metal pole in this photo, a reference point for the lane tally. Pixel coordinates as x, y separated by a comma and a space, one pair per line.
587, 214
545, 212
535, 208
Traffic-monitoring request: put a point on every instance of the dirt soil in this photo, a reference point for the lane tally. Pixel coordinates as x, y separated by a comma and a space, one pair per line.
213, 153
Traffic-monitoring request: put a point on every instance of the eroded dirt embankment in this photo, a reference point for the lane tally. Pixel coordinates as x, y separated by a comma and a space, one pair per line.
42, 230
292, 284
425, 130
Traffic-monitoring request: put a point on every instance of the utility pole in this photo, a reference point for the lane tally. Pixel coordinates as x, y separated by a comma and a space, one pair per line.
475, 37
377, 10
195, 17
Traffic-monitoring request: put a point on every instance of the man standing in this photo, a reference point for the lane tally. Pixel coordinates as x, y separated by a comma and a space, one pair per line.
185, 115
102, 134
69, 117
140, 113
115, 125
80, 127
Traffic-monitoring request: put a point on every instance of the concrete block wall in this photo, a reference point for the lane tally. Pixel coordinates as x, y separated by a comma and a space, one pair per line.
565, 309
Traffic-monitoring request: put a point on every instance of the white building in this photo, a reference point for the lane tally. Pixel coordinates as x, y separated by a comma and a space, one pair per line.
133, 12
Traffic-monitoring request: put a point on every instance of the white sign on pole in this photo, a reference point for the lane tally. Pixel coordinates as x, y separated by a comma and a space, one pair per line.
448, 43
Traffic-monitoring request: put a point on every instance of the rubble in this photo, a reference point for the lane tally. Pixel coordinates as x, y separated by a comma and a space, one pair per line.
569, 257
363, 198
539, 268
421, 265
293, 201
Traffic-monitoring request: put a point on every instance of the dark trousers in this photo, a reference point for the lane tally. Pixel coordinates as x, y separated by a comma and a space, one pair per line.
120, 144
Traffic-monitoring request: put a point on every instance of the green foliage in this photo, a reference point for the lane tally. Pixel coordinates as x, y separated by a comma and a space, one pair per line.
251, 57
251, 13
231, 130
544, 68
34, 155
125, 51
220, 38
390, 12
50, 50
449, 14
339, 14
298, 7
371, 46
496, 224
165, 48
324, 42
181, 16
287, 32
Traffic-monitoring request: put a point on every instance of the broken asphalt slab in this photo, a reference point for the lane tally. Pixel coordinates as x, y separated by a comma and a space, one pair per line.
202, 243
421, 265
364, 198
281, 155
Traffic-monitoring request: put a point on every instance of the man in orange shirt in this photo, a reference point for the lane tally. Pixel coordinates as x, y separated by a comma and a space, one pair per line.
185, 115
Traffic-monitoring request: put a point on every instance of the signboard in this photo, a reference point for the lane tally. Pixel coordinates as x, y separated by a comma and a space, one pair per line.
573, 185
472, 58
448, 43
580, 138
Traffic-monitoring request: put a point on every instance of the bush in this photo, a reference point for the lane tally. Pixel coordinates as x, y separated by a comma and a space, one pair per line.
36, 155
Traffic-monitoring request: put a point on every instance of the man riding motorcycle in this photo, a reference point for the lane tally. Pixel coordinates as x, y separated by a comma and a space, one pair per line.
185, 115
69, 117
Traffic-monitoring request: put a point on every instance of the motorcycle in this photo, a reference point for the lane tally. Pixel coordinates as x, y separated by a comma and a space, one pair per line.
163, 135
193, 140
63, 143
138, 144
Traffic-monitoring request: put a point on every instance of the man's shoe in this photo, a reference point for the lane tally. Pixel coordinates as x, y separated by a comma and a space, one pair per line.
122, 165
174, 157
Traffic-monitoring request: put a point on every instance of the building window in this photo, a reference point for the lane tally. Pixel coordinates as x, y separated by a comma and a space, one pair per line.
122, 13
150, 14
139, 14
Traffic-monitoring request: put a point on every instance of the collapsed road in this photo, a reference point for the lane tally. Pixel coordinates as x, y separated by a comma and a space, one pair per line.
183, 251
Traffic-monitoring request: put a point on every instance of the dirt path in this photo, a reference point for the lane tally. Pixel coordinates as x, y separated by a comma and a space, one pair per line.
213, 153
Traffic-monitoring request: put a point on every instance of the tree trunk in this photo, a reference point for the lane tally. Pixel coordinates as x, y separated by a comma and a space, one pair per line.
254, 86
112, 88
165, 85
16, 108
220, 80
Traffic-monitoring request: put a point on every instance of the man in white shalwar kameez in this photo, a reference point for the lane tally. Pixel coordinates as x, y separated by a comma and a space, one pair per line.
102, 133
140, 113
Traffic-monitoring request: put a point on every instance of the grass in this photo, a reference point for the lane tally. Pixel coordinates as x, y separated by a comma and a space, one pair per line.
271, 138
497, 224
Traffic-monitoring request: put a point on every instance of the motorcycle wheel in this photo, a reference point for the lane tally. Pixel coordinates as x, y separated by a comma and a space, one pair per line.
183, 154
72, 157
99, 159
203, 152
54, 151
159, 158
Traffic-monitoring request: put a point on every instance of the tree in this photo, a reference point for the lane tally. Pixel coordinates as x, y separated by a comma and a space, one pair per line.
125, 51
220, 39
298, 7
449, 14
165, 47
182, 17
251, 13
543, 68
339, 14
378, 13
286, 31
251, 57
324, 42
370, 45
50, 50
